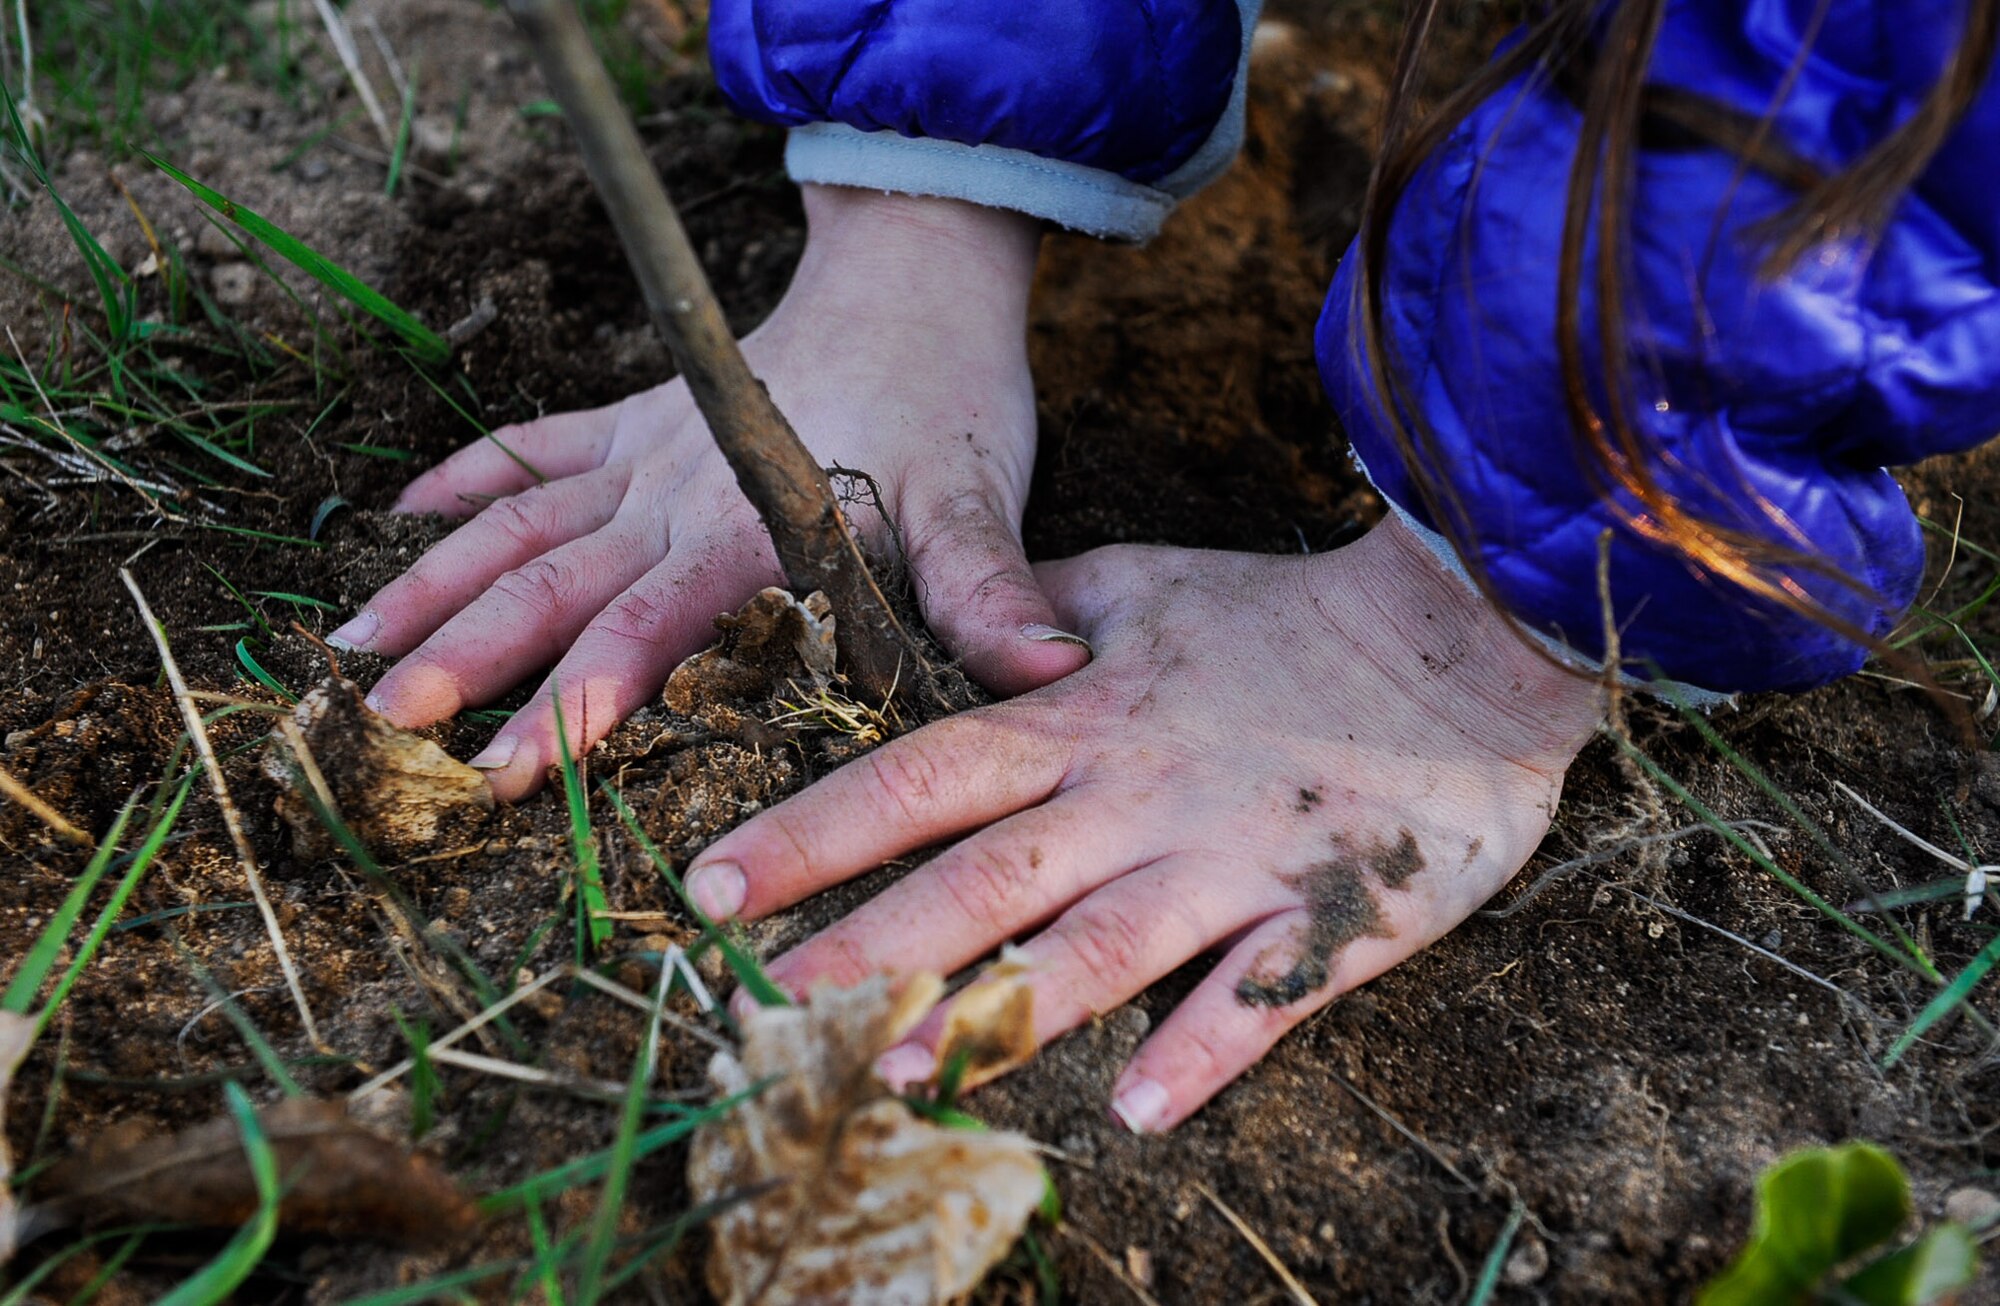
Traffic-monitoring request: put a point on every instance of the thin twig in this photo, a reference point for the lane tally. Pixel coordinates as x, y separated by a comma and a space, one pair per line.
465, 1030
602, 1089
342, 37
34, 802
231, 818
1416, 1139
1731, 935
1104, 1257
1975, 874
389, 59
1292, 1285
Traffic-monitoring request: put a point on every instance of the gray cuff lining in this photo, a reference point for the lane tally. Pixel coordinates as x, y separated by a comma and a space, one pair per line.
1083, 199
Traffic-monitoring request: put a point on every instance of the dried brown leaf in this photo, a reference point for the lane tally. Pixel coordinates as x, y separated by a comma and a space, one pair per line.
399, 793
991, 1023
338, 1179
16, 1034
858, 1200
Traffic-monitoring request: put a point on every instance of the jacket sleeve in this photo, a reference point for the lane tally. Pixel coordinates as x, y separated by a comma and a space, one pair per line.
1791, 393
1095, 114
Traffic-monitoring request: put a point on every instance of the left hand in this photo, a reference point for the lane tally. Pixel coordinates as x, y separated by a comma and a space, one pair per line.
1319, 764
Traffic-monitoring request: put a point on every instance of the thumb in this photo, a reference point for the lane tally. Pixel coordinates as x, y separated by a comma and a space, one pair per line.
980, 596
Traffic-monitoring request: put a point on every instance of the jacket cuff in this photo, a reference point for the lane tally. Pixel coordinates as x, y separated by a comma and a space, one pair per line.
1072, 195
1069, 194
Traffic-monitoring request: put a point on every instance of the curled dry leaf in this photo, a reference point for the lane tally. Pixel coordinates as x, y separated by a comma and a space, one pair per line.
339, 1179
399, 793
856, 1199
991, 1023
772, 639
17, 1032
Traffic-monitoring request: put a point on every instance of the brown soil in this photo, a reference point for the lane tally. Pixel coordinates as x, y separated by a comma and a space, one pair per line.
1620, 1070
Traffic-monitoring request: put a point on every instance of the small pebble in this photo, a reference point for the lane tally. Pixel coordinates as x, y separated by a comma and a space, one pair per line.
1975, 1208
1527, 1263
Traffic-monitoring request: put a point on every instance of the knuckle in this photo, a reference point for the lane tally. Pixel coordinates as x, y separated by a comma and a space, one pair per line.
520, 517
989, 884
542, 585
1107, 941
1203, 1057
637, 615
908, 777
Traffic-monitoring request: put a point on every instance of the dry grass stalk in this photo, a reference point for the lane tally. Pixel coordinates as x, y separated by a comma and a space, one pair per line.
342, 36
1297, 1290
231, 818
49, 816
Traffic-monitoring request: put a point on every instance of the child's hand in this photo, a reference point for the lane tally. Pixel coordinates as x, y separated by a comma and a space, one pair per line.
1319, 765
899, 350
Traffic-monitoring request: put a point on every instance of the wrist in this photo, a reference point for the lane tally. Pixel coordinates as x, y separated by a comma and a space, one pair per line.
917, 259
1468, 657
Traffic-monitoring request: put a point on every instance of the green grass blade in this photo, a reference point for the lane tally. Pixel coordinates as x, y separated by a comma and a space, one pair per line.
114, 288
443, 1285
1945, 1000
604, 1228
41, 958
258, 674
593, 931
1784, 877
748, 972
399, 154
589, 1169
425, 343
142, 860
214, 1282
1488, 1282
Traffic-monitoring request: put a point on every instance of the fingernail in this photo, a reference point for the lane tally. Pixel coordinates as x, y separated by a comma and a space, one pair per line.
718, 889
496, 755
1141, 1106
905, 1064
1050, 635
356, 634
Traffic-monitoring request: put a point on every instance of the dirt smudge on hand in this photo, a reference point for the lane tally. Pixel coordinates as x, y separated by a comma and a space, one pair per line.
1341, 906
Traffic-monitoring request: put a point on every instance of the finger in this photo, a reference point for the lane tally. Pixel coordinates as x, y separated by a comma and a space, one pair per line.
1239, 1012
966, 901
513, 459
955, 775
518, 626
624, 655
1115, 943
980, 596
460, 567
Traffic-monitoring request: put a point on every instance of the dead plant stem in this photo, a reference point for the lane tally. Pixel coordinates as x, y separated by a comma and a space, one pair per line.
342, 36
28, 798
231, 818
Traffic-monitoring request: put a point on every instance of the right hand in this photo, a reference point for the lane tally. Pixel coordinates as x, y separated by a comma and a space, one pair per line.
899, 350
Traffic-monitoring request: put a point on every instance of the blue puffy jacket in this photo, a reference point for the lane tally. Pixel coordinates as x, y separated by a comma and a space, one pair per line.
1099, 114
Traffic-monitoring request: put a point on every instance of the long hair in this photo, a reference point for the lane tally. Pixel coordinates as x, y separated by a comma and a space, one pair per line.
1598, 54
